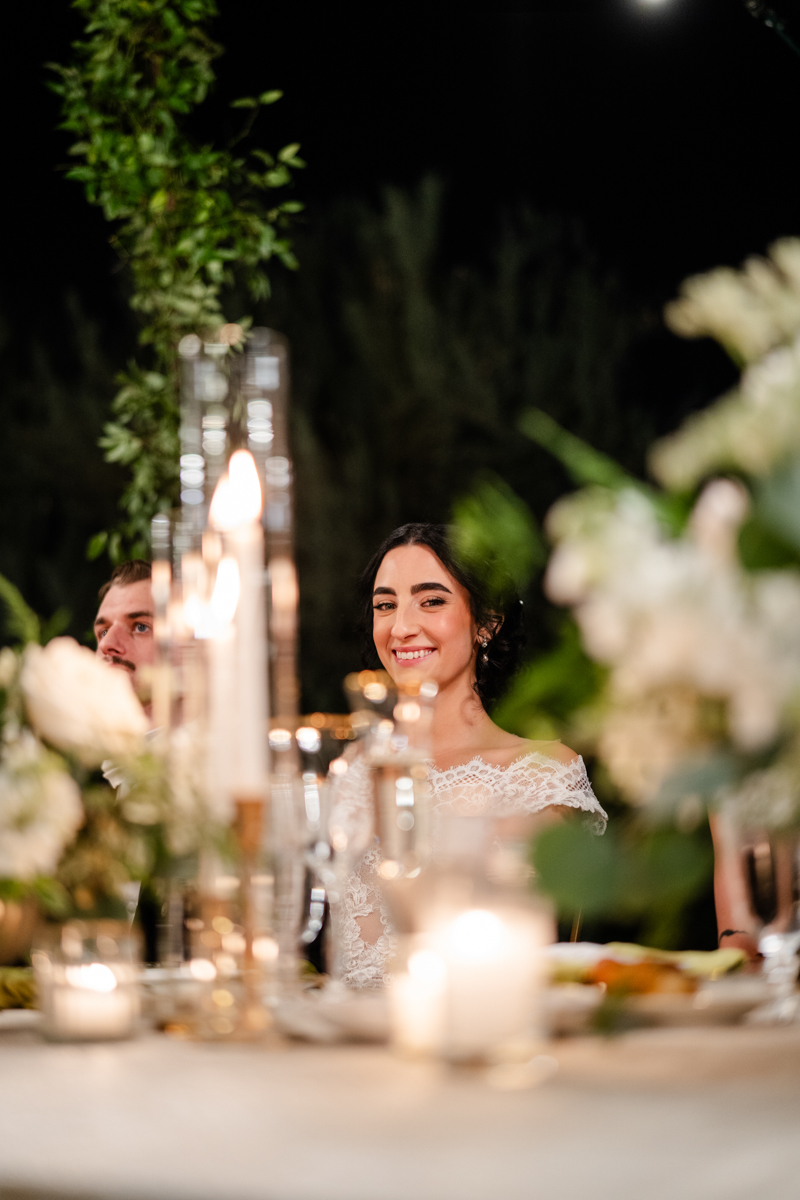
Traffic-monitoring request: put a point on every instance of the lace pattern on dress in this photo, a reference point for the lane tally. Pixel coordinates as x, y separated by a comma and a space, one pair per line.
477, 788
364, 962
527, 785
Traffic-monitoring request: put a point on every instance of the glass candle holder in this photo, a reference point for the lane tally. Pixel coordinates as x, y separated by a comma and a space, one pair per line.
88, 982
469, 989
466, 984
233, 954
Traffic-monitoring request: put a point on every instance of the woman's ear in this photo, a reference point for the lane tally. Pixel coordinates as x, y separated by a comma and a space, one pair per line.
490, 628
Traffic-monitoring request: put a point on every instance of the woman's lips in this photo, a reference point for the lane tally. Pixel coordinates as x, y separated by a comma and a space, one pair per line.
414, 654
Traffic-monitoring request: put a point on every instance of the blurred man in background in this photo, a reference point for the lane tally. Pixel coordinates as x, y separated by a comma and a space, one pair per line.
124, 623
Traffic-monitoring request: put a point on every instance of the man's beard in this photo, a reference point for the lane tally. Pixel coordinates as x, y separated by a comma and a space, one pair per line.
122, 662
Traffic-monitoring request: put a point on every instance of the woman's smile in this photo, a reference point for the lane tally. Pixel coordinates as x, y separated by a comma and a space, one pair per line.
410, 654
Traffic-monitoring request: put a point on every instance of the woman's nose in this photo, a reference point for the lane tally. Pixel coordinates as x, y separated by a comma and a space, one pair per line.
405, 621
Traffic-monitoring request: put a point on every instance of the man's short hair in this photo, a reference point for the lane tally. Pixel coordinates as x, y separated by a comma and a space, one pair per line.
133, 571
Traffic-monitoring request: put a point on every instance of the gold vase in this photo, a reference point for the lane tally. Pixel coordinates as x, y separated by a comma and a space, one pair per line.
18, 919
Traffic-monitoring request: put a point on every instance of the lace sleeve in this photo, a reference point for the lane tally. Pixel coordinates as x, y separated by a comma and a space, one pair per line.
362, 961
529, 785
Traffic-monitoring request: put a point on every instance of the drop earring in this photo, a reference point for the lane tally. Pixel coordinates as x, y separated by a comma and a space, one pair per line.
484, 656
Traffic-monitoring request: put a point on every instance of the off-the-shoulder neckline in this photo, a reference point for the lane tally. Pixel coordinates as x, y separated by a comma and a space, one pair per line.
515, 762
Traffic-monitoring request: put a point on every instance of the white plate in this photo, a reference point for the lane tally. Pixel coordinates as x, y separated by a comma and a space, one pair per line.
19, 1018
723, 1002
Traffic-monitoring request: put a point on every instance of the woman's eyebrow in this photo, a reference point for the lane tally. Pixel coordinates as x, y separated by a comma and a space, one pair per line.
430, 587
384, 592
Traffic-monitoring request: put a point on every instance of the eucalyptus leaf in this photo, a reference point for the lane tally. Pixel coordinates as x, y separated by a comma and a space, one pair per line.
623, 874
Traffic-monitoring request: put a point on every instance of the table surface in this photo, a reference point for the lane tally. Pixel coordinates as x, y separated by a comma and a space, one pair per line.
701, 1114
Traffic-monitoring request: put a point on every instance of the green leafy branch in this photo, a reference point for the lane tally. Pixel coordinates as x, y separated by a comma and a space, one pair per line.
189, 218
631, 873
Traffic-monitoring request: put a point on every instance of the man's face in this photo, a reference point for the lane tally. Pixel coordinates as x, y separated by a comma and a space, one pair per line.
124, 629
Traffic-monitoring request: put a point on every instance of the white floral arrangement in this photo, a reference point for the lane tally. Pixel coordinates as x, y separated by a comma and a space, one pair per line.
702, 648
63, 712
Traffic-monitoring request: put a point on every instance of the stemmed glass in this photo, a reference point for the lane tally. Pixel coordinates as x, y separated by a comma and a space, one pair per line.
772, 872
336, 833
780, 970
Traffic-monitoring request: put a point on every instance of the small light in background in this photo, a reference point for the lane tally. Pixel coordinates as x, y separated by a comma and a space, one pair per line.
308, 739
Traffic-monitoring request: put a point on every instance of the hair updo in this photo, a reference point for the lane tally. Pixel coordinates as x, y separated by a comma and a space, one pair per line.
500, 617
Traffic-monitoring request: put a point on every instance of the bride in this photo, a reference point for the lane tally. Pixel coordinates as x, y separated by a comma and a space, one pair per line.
425, 614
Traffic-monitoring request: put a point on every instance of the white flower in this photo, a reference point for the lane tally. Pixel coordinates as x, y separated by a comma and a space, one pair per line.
78, 704
677, 617
749, 311
8, 666
641, 744
717, 517
767, 799
40, 811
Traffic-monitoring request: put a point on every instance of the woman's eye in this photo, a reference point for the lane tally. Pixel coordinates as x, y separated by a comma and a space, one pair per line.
433, 602
384, 606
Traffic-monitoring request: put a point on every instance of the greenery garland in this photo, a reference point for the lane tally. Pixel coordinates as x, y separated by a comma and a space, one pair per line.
187, 217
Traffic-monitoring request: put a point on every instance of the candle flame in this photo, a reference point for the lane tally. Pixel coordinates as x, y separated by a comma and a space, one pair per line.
225, 596
237, 497
95, 977
476, 936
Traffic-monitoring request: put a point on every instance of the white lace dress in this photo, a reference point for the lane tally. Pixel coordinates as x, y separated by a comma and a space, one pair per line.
528, 785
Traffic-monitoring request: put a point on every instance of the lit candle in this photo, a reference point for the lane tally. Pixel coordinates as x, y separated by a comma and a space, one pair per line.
91, 1003
222, 686
494, 966
472, 985
417, 1004
235, 512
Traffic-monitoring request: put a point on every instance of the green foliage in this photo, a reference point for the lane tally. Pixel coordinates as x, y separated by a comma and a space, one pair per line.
634, 873
189, 219
761, 549
107, 853
48, 893
589, 468
777, 506
17, 988
586, 465
549, 690
22, 623
496, 536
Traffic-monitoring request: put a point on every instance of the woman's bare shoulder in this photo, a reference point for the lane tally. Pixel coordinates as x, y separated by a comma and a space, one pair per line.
508, 748
556, 750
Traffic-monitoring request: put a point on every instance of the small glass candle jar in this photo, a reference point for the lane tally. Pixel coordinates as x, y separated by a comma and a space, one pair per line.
88, 982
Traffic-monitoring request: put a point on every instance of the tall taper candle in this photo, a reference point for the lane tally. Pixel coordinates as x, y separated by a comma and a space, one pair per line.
236, 512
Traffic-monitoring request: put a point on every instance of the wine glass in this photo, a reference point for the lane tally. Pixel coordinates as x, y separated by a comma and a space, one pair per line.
771, 868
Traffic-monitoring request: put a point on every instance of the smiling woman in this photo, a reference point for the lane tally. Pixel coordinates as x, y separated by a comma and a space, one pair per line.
422, 611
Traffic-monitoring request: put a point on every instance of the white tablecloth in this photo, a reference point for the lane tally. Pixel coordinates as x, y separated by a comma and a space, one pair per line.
661, 1115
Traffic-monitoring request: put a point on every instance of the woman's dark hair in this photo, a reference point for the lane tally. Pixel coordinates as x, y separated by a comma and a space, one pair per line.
500, 617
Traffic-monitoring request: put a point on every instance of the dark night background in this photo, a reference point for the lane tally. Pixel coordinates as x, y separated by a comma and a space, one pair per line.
584, 157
